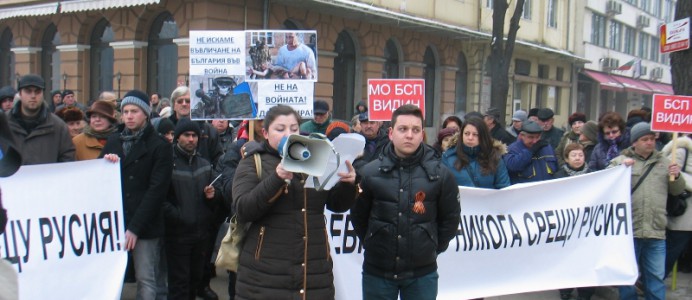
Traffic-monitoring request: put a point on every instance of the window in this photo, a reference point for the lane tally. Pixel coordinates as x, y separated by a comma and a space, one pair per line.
460, 84
668, 11
344, 76
656, 8
559, 73
162, 56
643, 45
522, 67
50, 58
429, 74
526, 13
615, 38
543, 71
489, 4
267, 37
552, 13
633, 2
645, 5
101, 67
630, 38
391, 63
653, 50
598, 30
7, 76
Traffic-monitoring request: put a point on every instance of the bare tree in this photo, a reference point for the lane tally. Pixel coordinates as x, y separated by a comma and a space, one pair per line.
681, 61
501, 52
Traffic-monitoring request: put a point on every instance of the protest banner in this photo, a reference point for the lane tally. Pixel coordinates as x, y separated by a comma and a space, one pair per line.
524, 238
671, 113
65, 230
296, 94
386, 95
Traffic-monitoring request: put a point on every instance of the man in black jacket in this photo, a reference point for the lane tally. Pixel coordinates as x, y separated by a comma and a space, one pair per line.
188, 213
497, 131
406, 214
145, 170
375, 140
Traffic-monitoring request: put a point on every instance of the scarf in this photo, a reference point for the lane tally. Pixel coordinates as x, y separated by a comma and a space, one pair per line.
100, 135
613, 149
572, 172
472, 152
129, 139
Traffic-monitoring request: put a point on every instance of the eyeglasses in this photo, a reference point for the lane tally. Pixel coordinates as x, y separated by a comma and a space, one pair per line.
613, 132
180, 101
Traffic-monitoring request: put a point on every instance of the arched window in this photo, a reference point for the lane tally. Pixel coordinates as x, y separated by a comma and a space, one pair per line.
391, 63
162, 56
50, 58
344, 76
461, 79
6, 58
101, 59
429, 76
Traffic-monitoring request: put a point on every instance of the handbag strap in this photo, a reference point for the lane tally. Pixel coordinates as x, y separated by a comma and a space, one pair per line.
651, 166
258, 165
684, 163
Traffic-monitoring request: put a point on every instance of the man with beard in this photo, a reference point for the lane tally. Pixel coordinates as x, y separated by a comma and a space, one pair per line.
40, 136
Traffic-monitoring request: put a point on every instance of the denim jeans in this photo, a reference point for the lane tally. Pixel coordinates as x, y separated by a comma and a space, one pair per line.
150, 269
651, 258
676, 242
421, 288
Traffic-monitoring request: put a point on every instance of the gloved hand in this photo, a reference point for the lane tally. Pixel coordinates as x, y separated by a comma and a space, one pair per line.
538, 146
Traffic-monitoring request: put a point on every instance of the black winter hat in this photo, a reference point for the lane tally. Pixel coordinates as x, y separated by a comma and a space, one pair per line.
67, 92
185, 125
545, 114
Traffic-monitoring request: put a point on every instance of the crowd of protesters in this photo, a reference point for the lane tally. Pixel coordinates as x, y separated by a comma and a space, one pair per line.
174, 213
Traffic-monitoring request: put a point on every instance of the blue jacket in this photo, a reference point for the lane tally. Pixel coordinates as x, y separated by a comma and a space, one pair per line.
497, 180
525, 166
599, 160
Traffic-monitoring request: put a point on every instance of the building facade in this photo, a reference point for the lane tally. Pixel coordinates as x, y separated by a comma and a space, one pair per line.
93, 45
621, 40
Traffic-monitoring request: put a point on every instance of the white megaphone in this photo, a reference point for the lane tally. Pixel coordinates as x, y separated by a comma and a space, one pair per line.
306, 154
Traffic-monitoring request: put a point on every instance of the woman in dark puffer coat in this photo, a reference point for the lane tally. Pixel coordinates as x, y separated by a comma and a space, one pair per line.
286, 251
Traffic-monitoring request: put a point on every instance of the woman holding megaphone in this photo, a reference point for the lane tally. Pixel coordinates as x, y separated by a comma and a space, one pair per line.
285, 254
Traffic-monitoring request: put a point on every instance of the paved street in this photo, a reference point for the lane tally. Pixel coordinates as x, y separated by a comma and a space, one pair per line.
683, 290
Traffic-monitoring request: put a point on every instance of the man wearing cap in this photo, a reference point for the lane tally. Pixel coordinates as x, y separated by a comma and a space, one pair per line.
550, 132
518, 118
649, 207
375, 140
145, 171
188, 211
530, 158
492, 119
68, 99
7, 98
41, 137
322, 119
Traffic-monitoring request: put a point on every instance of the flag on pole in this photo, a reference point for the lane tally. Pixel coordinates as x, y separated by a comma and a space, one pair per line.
627, 66
637, 69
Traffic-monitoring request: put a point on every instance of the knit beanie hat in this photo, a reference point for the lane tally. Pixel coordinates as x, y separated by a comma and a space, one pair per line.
445, 133
639, 130
185, 125
334, 125
590, 131
163, 125
138, 98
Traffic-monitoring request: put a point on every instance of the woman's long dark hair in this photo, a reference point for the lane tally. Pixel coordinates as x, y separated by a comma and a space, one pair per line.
488, 156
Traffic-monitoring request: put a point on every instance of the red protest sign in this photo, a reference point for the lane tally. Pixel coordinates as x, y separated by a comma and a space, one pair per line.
671, 113
386, 95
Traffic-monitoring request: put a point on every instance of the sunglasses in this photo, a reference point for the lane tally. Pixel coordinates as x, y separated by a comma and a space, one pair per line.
180, 101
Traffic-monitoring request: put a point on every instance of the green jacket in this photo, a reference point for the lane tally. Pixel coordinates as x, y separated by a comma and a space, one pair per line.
649, 217
310, 126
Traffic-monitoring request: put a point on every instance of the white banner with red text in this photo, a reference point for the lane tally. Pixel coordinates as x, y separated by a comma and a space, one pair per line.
568, 232
65, 230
